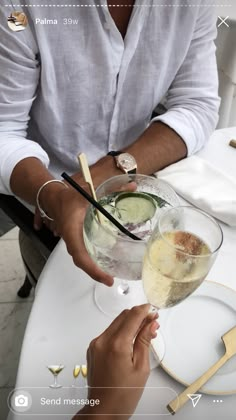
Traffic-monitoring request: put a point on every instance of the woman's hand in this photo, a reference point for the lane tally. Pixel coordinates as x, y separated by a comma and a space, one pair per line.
118, 363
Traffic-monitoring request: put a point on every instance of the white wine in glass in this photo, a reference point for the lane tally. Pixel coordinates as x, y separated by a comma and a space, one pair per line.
179, 255
55, 370
170, 276
76, 372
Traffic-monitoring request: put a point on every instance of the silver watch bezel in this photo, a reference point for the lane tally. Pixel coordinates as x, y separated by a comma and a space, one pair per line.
126, 162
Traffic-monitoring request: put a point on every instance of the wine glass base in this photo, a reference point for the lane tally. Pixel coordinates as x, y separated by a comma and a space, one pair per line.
55, 386
113, 300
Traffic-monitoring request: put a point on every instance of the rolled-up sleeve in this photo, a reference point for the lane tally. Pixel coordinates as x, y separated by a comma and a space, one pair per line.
192, 101
19, 77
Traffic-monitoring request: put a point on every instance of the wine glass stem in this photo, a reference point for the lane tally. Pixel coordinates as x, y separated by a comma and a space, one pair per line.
154, 309
55, 380
123, 287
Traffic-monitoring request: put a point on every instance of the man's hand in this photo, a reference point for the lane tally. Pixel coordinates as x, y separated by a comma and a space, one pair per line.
157, 147
67, 208
118, 363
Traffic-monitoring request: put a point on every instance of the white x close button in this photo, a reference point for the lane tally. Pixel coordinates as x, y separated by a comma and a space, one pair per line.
223, 21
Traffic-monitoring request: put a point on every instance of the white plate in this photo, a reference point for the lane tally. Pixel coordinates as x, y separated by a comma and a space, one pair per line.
192, 332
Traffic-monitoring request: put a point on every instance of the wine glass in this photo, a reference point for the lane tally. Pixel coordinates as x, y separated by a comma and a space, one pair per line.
55, 370
84, 372
116, 253
76, 372
178, 257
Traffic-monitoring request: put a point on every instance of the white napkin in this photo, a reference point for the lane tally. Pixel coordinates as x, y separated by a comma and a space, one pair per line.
204, 186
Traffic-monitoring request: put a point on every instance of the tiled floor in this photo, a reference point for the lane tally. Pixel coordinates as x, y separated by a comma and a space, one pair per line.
14, 313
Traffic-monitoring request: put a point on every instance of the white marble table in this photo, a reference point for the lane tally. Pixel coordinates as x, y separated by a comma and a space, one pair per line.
64, 319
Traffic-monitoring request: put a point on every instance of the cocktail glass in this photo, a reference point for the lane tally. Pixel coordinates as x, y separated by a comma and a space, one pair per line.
55, 370
113, 251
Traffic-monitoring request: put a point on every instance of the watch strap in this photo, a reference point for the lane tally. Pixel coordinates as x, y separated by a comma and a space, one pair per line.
114, 153
133, 171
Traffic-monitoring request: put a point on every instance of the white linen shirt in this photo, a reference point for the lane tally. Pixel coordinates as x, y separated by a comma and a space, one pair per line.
70, 88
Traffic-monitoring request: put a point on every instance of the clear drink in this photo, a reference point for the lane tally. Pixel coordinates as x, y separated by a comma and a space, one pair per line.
138, 207
111, 249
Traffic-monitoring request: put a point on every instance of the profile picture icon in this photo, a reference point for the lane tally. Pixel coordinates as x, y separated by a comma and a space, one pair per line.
17, 21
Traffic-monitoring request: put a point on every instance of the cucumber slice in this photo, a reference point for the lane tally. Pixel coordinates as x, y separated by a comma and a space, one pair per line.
135, 207
160, 201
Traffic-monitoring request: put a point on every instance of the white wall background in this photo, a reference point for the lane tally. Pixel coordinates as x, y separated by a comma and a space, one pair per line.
226, 57
224, 10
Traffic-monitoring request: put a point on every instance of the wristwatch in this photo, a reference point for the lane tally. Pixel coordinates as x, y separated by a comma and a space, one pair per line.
124, 161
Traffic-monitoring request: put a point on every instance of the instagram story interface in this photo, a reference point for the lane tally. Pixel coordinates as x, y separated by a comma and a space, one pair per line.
117, 163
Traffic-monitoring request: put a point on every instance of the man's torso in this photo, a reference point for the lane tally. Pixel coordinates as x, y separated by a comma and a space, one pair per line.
103, 74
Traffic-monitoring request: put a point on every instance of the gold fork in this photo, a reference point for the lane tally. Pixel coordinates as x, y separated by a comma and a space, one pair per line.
229, 340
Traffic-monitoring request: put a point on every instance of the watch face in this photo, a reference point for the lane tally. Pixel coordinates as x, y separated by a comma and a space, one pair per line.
126, 162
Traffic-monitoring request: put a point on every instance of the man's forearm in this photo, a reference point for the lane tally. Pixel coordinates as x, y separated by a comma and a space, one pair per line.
27, 177
156, 148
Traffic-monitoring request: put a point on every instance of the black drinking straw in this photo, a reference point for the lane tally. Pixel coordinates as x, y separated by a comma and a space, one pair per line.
98, 206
